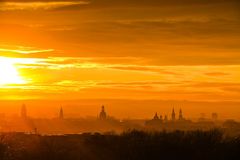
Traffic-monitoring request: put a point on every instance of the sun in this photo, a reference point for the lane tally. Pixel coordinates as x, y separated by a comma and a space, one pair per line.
9, 73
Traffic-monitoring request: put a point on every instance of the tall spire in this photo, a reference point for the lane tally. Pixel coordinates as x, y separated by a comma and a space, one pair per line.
103, 114
180, 114
173, 114
24, 111
61, 113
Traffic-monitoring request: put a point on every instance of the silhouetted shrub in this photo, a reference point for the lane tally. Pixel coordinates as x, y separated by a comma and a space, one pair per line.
130, 145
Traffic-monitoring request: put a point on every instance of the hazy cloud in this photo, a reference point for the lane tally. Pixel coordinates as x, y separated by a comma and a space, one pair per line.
36, 5
188, 49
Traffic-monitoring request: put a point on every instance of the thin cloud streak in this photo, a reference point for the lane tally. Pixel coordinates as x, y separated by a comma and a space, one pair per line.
12, 6
25, 51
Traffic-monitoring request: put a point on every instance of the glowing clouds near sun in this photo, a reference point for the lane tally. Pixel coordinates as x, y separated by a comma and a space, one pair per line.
9, 73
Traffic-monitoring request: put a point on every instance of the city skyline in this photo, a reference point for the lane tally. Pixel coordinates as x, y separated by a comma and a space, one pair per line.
119, 79
69, 51
176, 113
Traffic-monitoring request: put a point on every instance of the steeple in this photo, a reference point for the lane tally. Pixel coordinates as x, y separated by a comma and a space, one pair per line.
173, 115
103, 114
180, 114
155, 116
61, 113
24, 111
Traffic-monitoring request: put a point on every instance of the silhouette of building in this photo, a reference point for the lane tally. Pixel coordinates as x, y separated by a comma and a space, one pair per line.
214, 116
161, 118
165, 118
24, 111
103, 114
202, 117
155, 116
61, 116
180, 115
173, 115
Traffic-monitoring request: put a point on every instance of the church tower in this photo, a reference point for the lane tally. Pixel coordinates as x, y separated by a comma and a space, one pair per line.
173, 115
61, 113
155, 116
180, 114
24, 111
103, 114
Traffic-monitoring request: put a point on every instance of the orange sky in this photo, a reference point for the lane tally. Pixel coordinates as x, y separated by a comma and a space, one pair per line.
128, 49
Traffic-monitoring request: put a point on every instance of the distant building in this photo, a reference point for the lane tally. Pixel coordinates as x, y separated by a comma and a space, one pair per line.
173, 115
61, 116
103, 114
156, 121
24, 111
165, 118
180, 115
214, 116
155, 116
160, 118
202, 117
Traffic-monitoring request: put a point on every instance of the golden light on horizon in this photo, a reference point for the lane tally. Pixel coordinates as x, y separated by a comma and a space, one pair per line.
125, 50
9, 73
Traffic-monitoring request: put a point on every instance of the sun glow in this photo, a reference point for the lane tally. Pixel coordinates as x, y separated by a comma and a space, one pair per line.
9, 73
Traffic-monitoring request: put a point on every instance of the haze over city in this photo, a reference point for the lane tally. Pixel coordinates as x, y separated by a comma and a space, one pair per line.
160, 79
122, 50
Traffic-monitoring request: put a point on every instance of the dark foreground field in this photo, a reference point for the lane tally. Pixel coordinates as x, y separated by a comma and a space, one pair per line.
132, 145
